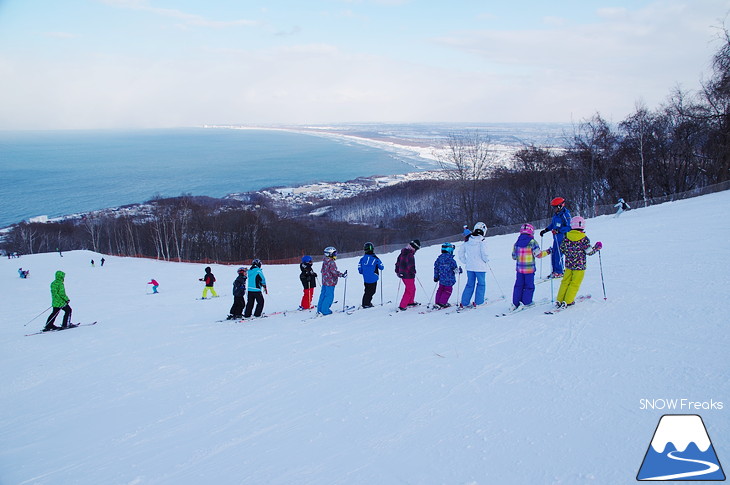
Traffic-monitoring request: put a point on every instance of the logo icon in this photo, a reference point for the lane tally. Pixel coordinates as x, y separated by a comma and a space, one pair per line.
680, 450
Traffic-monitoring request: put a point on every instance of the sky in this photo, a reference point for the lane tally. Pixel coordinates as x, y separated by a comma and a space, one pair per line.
81, 64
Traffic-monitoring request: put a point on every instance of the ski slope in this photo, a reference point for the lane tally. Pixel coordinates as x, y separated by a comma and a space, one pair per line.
158, 392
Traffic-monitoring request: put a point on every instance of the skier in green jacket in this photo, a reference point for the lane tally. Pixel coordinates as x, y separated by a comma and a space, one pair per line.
59, 301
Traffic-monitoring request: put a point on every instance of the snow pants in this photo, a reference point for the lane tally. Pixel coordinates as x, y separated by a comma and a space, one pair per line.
154, 288
307, 298
205, 291
570, 285
254, 297
476, 286
524, 289
238, 303
443, 294
556, 256
409, 294
367, 297
326, 297
66, 316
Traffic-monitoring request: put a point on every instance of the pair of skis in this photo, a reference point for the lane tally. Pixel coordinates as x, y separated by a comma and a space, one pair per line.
73, 325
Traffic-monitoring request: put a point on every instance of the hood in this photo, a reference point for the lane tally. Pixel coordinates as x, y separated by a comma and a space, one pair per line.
523, 240
575, 235
207, 269
60, 275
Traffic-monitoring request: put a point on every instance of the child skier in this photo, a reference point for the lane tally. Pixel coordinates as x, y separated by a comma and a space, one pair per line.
405, 268
309, 281
256, 285
239, 292
154, 284
473, 254
524, 252
209, 281
330, 275
576, 246
59, 301
444, 272
369, 267
559, 226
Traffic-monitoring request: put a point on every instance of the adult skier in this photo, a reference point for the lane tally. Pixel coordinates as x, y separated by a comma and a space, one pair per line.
239, 293
256, 285
473, 254
405, 268
369, 267
559, 226
59, 301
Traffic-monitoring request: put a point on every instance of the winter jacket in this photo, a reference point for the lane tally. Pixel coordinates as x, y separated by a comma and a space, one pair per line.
307, 276
58, 291
473, 253
239, 285
575, 247
208, 278
560, 221
444, 269
330, 275
256, 280
405, 265
525, 251
369, 266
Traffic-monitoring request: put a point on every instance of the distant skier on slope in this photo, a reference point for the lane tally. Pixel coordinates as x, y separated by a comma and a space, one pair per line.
405, 268
559, 226
330, 275
154, 284
369, 267
209, 280
59, 301
473, 255
444, 272
576, 246
621, 206
524, 251
309, 282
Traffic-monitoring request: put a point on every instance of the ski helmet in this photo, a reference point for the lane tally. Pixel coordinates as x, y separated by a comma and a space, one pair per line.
578, 222
447, 247
242, 269
306, 259
415, 244
480, 229
528, 229
368, 247
557, 201
207, 269
256, 263
330, 251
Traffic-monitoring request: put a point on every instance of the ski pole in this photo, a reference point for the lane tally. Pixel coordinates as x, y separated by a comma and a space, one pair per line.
495, 279
600, 264
381, 290
541, 259
41, 313
344, 296
398, 290
435, 285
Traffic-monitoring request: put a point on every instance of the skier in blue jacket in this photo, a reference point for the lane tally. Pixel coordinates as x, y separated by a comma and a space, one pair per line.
559, 226
256, 288
369, 267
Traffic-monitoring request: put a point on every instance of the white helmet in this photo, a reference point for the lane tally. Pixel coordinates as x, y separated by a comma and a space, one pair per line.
330, 251
480, 229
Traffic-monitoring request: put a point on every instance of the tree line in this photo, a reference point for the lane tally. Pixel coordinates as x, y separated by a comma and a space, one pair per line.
681, 145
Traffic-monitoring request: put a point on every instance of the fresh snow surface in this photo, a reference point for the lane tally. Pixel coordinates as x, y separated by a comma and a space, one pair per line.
158, 392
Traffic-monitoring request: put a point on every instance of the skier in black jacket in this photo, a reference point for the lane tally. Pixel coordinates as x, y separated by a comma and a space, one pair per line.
239, 292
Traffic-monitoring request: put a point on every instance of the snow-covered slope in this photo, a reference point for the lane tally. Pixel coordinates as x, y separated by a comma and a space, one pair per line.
159, 393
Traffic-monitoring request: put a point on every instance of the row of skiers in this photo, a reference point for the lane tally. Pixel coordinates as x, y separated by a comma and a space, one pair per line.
569, 242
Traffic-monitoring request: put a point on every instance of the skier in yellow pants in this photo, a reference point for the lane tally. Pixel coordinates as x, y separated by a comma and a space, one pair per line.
576, 247
209, 281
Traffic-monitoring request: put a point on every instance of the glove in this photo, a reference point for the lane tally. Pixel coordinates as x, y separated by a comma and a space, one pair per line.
400, 275
344, 275
435, 280
598, 245
200, 279
542, 233
549, 250
460, 270
555, 231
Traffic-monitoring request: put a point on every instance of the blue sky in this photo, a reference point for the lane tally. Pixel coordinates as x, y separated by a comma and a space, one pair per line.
162, 63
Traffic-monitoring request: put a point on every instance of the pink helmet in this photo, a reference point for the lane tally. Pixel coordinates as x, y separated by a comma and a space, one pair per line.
527, 229
578, 222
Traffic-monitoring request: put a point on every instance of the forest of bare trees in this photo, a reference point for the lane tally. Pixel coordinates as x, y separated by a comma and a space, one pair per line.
681, 145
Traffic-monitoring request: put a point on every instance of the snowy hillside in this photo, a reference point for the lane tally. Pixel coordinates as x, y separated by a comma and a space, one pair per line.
159, 393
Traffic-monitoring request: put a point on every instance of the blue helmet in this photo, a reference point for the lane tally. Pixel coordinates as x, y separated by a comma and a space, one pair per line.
306, 259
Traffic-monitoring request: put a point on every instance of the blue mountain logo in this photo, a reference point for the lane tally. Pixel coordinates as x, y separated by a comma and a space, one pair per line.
680, 450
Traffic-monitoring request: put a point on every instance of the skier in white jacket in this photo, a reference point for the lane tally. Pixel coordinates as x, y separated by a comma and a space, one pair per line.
473, 255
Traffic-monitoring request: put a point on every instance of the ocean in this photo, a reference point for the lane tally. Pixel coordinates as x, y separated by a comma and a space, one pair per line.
58, 173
